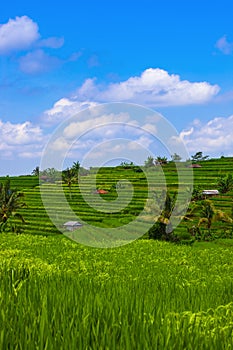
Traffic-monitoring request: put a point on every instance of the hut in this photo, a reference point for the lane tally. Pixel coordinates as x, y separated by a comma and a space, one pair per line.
72, 225
194, 166
210, 193
101, 192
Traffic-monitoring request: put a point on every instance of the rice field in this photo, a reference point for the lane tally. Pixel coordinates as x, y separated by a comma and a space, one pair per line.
38, 222
57, 294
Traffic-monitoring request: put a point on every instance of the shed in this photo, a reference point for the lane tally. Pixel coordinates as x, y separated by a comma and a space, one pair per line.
72, 225
101, 192
210, 193
194, 166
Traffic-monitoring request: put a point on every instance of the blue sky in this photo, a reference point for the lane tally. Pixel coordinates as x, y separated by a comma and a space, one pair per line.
175, 57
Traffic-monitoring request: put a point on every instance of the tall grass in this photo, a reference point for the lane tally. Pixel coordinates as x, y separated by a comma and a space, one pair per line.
56, 294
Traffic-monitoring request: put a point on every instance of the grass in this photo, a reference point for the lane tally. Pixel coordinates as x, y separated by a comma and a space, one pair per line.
56, 294
37, 221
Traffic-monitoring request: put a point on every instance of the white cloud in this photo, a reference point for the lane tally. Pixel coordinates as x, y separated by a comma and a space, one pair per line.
63, 109
214, 137
52, 42
97, 126
154, 87
16, 134
38, 62
224, 46
18, 34
23, 139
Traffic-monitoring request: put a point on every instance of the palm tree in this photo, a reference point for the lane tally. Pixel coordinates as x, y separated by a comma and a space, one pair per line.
69, 177
10, 202
76, 167
208, 214
164, 205
36, 171
161, 160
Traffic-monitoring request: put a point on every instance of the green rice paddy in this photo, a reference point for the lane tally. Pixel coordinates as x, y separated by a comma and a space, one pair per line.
58, 294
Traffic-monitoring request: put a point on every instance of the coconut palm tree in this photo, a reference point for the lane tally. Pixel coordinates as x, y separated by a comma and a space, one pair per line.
36, 171
208, 214
69, 177
75, 167
164, 205
10, 202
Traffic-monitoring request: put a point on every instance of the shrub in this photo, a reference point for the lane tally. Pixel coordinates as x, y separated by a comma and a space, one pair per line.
225, 183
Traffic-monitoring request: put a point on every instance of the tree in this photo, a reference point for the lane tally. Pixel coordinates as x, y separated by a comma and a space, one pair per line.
127, 165
225, 183
197, 194
10, 202
76, 167
176, 158
162, 228
36, 171
149, 162
207, 213
51, 174
198, 157
161, 160
69, 177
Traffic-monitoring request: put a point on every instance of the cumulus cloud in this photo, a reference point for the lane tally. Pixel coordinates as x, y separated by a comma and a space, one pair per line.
154, 87
15, 134
20, 138
38, 62
63, 109
214, 137
18, 34
224, 45
22, 33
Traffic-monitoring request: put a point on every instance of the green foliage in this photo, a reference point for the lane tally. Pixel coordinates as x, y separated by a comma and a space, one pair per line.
75, 168
36, 171
176, 157
162, 229
50, 174
225, 183
149, 162
207, 213
161, 160
38, 222
10, 203
199, 157
197, 194
56, 294
127, 165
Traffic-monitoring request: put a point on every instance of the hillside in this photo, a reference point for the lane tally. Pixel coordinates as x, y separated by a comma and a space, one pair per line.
37, 221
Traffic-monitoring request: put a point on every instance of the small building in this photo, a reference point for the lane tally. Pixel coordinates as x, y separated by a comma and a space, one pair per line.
72, 225
194, 166
210, 193
101, 192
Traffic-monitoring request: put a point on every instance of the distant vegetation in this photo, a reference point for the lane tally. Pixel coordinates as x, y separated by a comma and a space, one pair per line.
213, 174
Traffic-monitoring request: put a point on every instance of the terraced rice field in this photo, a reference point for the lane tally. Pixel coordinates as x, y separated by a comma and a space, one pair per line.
58, 294
37, 221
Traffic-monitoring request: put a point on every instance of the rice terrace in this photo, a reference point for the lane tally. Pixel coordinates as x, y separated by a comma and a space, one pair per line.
169, 289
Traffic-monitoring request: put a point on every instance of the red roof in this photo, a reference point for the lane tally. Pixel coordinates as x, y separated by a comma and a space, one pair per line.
101, 191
